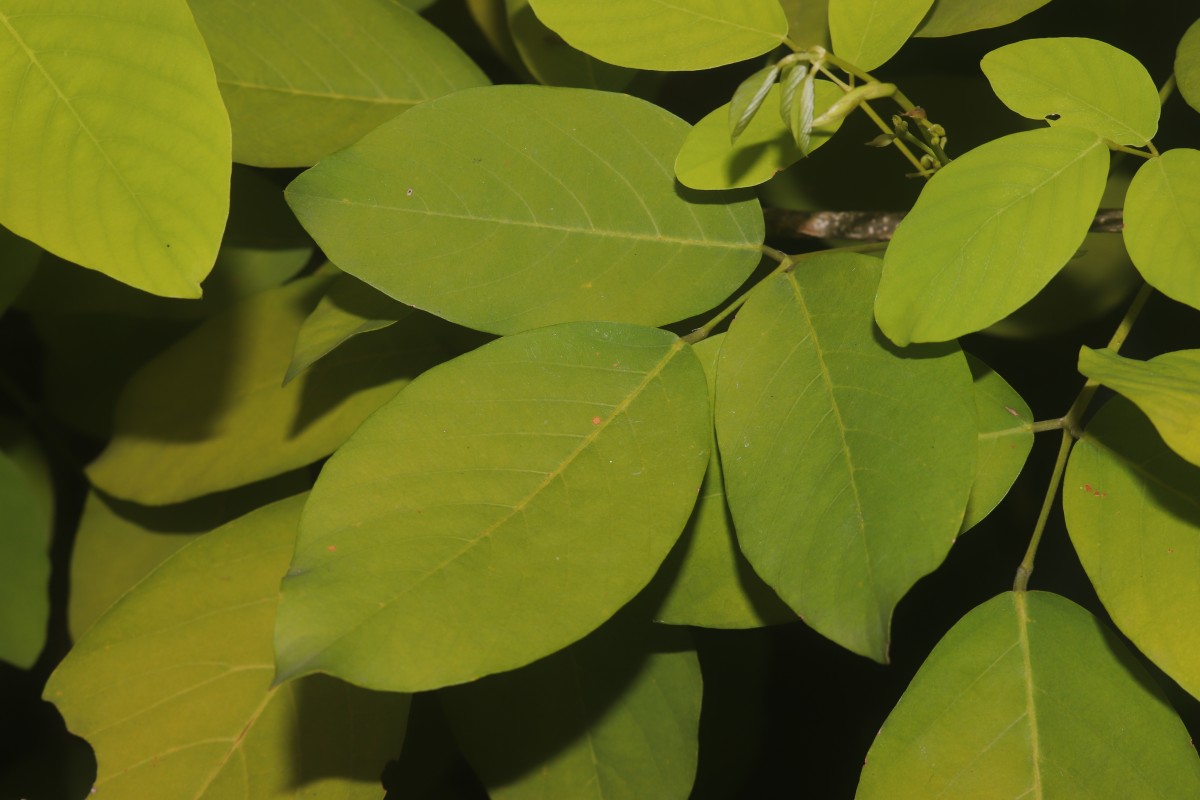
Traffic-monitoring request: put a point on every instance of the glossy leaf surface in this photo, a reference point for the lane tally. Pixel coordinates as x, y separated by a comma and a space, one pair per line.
116, 144
1133, 510
711, 583
1162, 215
1166, 388
25, 530
544, 478
210, 413
660, 35
1005, 439
823, 428
614, 716
1002, 709
952, 17
869, 32
1080, 83
554, 62
765, 148
348, 307
1187, 65
172, 688
304, 78
451, 208
988, 232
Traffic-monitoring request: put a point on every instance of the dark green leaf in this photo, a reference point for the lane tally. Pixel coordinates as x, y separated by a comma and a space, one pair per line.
1005, 439
554, 62
25, 530
1187, 65
952, 17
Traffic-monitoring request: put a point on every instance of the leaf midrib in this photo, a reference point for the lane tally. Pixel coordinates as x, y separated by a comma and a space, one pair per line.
292, 90
1021, 607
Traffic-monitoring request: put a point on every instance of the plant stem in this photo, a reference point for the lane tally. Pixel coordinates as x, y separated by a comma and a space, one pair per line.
1047, 425
1026, 568
899, 143
1167, 90
1133, 151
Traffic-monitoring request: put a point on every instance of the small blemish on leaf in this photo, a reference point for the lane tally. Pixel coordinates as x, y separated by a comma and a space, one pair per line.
1012, 411
409, 192
596, 420
332, 548
1053, 117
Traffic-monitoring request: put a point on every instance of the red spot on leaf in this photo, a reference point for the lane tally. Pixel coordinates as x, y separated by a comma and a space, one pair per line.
596, 420
332, 548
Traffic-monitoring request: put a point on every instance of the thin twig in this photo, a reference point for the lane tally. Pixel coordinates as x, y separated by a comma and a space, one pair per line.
876, 226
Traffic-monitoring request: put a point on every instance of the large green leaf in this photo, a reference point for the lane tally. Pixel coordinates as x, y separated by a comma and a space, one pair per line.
614, 716
710, 582
662, 35
766, 147
1133, 511
1029, 696
1005, 439
513, 207
119, 543
1162, 224
543, 479
808, 22
116, 144
1165, 388
952, 17
1187, 66
210, 412
1081, 83
988, 232
304, 78
869, 32
25, 529
348, 307
848, 462
552, 61
172, 688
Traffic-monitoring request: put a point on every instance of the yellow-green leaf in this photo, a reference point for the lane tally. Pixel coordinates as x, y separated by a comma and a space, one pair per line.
1080, 83
869, 32
1133, 510
554, 62
1005, 439
304, 78
1187, 65
952, 17
543, 479
116, 144
1162, 224
1029, 696
172, 688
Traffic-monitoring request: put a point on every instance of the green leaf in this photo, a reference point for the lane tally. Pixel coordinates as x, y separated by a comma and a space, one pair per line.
554, 62
1162, 224
1030, 696
1005, 439
767, 147
116, 147
659, 35
867, 33
210, 414
172, 688
304, 78
748, 99
847, 462
808, 22
451, 209
616, 715
1187, 66
1133, 511
18, 263
1079, 83
24, 566
988, 232
544, 478
952, 17
710, 583
119, 543
1166, 388
348, 308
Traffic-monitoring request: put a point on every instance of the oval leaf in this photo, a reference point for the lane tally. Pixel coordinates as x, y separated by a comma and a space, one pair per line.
304, 78
562, 727
554, 62
1133, 511
823, 427
1080, 83
210, 413
952, 17
1003, 709
1187, 66
1162, 216
707, 160
449, 208
988, 232
544, 477
172, 688
869, 32
679, 35
136, 182
1005, 439
24, 566
710, 583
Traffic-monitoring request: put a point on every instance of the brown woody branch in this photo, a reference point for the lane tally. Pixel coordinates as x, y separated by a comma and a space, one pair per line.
875, 226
